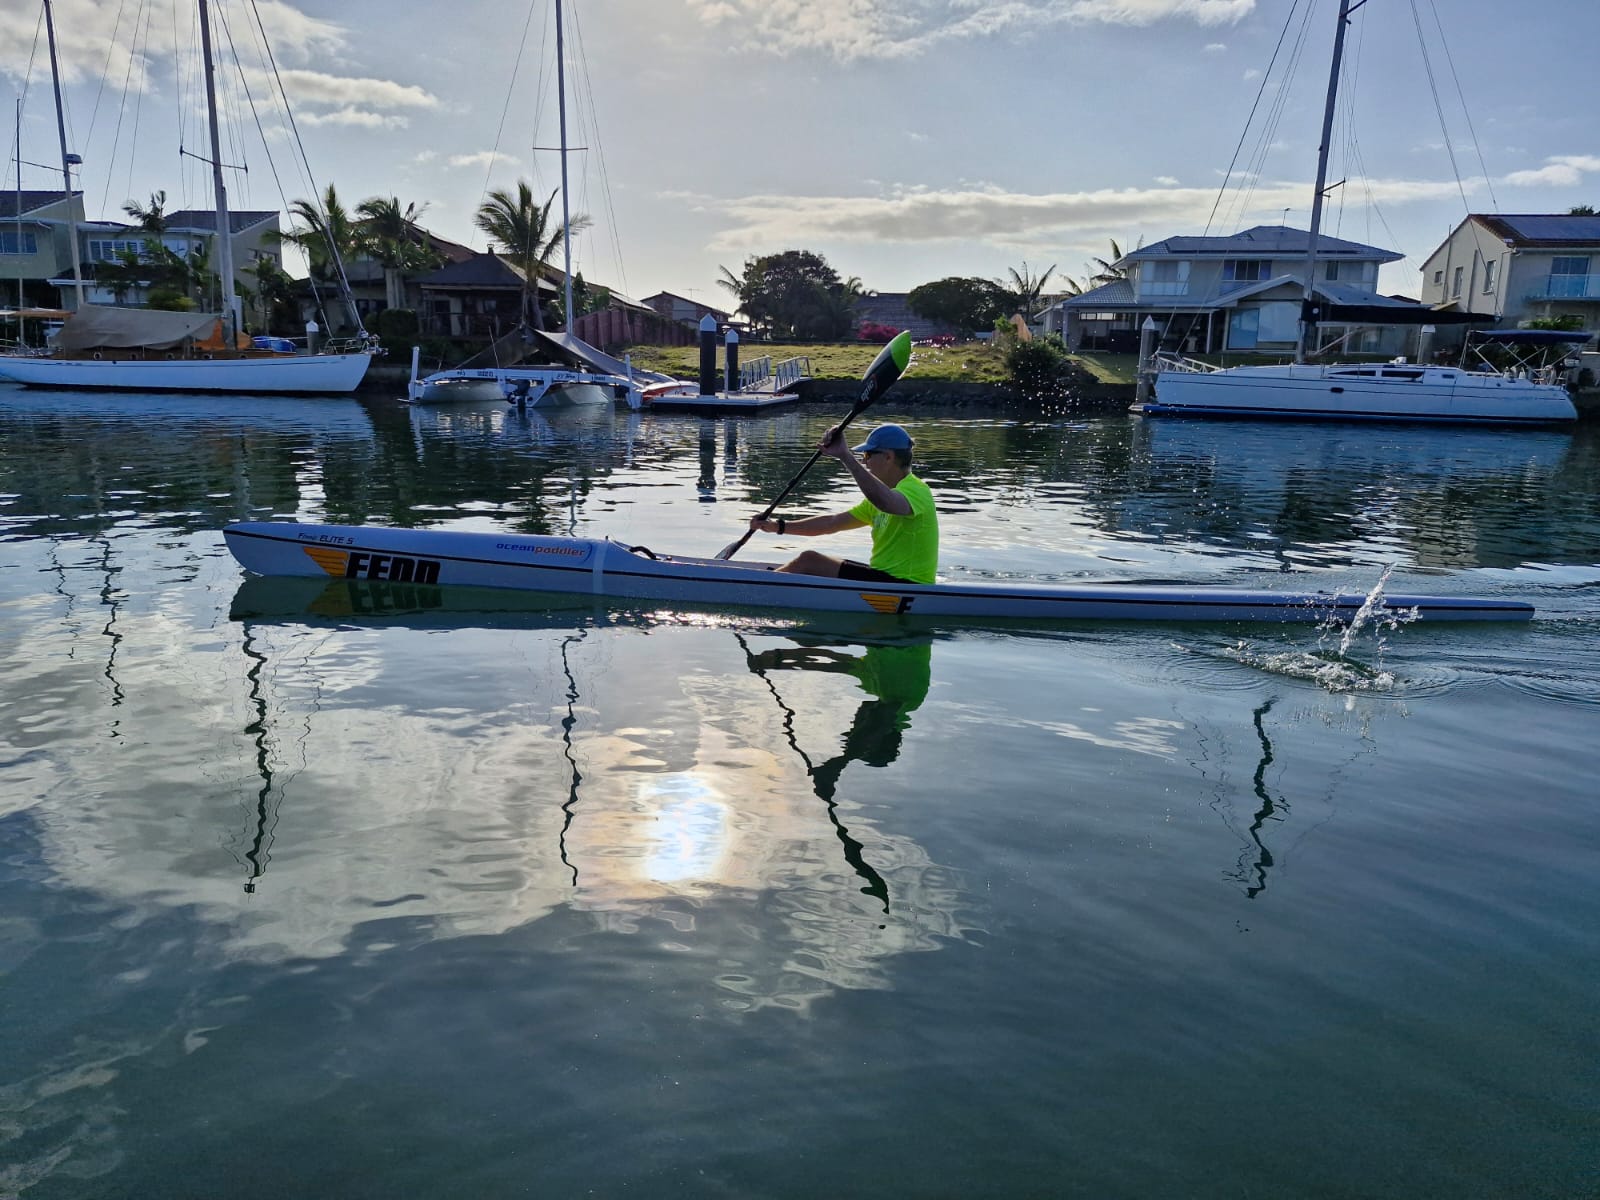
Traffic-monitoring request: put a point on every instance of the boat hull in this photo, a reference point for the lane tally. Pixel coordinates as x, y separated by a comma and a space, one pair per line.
604, 568
532, 387
1380, 393
305, 374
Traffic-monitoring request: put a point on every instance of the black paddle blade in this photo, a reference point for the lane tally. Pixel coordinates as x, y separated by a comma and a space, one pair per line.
890, 364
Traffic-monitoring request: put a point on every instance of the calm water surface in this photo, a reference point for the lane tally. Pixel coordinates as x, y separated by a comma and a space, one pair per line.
374, 893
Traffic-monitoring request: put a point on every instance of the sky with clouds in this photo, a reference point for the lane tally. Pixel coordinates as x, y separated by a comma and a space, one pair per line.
905, 140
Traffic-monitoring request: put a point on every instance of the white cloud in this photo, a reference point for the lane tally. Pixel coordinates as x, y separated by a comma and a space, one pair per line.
1560, 170
1216, 48
355, 118
316, 87
1166, 181
760, 223
482, 158
1251, 73
848, 30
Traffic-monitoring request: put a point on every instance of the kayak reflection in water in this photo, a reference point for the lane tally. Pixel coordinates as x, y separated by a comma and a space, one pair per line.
897, 504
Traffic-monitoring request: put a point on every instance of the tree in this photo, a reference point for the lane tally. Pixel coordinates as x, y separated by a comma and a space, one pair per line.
794, 295
151, 218
274, 303
1581, 210
966, 303
326, 233
528, 234
1026, 291
389, 235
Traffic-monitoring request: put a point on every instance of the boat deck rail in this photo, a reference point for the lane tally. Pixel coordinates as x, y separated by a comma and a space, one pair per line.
1165, 360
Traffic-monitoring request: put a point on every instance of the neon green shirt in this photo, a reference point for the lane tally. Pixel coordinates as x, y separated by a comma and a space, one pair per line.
906, 547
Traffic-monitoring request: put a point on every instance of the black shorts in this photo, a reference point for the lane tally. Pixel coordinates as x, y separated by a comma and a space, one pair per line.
850, 569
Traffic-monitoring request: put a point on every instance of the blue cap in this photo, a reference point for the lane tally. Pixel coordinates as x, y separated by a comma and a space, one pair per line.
885, 437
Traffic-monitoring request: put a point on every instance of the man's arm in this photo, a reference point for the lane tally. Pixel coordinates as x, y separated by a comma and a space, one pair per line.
883, 497
811, 526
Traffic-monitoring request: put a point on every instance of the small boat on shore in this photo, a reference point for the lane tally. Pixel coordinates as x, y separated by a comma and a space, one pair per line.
601, 567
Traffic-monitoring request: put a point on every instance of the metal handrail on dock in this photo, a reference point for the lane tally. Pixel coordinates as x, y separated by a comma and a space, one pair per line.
754, 373
791, 370
760, 375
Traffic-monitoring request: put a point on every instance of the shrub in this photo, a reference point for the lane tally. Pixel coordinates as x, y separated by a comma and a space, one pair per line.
1037, 367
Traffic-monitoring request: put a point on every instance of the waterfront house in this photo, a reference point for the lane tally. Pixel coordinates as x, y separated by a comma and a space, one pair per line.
1237, 293
687, 312
1519, 266
36, 246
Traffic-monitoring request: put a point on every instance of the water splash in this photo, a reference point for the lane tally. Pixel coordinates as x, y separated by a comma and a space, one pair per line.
1373, 616
1338, 665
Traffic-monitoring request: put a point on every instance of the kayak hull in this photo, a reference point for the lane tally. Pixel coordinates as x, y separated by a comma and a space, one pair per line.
601, 567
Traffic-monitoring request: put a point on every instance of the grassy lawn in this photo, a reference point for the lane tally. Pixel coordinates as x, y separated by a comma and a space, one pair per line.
973, 362
1110, 368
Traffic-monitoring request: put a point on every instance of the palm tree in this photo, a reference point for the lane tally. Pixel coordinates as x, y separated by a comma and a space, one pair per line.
325, 231
528, 235
152, 218
389, 235
1106, 270
1025, 290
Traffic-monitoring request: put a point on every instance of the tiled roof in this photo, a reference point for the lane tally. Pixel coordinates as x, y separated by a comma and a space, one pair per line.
1116, 294
1260, 241
206, 219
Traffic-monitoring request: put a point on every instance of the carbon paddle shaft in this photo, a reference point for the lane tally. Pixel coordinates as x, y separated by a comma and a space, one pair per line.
880, 376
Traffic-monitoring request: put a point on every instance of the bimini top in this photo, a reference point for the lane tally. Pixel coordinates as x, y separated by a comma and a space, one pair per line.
1532, 337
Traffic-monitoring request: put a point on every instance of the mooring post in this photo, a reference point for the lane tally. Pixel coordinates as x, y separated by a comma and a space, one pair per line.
733, 360
1147, 347
708, 355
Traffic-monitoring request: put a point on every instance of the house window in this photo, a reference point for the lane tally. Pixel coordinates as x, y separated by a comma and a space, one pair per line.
1488, 276
1164, 278
1246, 270
1243, 327
1455, 283
1331, 272
1569, 275
109, 250
13, 242
1438, 279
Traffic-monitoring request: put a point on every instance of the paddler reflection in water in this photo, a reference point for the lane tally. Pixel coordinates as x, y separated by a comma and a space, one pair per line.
898, 506
895, 675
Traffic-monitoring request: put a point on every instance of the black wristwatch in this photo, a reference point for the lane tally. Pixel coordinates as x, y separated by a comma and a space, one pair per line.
781, 524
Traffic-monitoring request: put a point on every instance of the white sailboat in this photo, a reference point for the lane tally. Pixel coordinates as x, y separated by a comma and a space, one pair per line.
1397, 391
141, 350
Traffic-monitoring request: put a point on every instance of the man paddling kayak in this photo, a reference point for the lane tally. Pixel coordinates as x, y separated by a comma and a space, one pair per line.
898, 506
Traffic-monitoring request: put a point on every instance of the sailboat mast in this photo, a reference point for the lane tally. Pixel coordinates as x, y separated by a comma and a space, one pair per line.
66, 159
566, 211
1307, 326
22, 293
224, 241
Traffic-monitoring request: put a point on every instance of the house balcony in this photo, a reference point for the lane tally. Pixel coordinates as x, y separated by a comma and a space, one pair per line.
1566, 287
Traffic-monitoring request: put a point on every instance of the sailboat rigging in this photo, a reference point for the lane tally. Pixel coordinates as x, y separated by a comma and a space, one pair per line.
566, 370
142, 350
1396, 391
